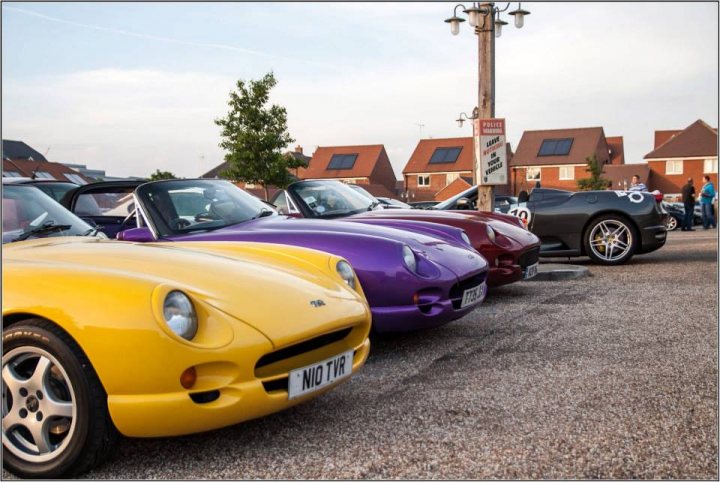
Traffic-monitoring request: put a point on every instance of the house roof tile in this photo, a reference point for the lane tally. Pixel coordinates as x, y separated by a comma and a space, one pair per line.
419, 161
20, 150
26, 168
585, 142
696, 140
367, 157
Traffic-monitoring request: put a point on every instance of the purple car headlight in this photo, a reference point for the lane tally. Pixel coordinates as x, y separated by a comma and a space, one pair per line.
409, 258
179, 314
465, 238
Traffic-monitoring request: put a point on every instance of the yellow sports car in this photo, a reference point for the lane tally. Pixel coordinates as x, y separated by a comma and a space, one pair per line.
101, 337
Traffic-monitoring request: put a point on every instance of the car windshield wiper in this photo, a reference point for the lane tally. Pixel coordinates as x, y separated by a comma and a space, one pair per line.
92, 231
263, 212
47, 227
373, 205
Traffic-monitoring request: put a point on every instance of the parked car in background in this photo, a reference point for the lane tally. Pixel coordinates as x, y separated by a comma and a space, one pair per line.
54, 189
511, 250
390, 203
503, 203
676, 214
418, 276
386, 202
423, 204
101, 337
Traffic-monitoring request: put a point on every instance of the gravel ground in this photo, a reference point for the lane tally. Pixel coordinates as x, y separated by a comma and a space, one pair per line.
611, 376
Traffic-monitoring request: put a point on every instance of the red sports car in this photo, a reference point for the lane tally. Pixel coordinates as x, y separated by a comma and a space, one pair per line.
511, 250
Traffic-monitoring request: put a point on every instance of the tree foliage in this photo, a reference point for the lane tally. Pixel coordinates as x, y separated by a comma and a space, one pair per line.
254, 134
158, 175
595, 182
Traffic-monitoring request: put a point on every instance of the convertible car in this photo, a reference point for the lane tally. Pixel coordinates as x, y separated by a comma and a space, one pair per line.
200, 335
510, 249
420, 275
608, 226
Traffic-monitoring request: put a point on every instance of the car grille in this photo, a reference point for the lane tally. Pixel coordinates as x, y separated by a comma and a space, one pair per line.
529, 257
271, 382
456, 292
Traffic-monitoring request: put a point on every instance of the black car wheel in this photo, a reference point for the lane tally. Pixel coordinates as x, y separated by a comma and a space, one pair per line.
55, 421
671, 224
610, 240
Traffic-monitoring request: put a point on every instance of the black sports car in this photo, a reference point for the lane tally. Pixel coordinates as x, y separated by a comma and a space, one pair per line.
608, 226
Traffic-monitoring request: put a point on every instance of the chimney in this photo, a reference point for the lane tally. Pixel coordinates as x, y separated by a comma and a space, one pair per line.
299, 149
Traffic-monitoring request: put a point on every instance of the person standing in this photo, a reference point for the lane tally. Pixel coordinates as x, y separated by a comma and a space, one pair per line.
688, 199
707, 194
636, 185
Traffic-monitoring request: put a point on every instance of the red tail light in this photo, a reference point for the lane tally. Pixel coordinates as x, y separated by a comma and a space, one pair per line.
658, 195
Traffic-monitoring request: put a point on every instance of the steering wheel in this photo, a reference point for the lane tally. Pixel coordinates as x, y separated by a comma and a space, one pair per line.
179, 223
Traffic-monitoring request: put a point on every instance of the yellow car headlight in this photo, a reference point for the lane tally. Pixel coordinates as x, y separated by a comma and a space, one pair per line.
180, 315
346, 273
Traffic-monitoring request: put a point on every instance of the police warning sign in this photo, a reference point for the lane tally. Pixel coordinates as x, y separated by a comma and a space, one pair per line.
490, 151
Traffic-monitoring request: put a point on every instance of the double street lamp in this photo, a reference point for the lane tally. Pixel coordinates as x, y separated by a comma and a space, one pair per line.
485, 20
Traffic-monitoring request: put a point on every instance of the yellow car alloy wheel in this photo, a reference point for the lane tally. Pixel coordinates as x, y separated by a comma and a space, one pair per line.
55, 420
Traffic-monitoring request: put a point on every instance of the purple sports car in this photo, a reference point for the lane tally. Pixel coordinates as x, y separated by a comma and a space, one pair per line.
418, 276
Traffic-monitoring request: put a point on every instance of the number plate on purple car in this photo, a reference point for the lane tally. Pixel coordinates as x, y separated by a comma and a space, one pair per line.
474, 295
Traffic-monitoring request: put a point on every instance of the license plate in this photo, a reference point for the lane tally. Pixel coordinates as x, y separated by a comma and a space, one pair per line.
318, 375
473, 295
530, 271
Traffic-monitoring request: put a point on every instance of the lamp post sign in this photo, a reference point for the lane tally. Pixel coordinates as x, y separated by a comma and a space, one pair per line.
490, 151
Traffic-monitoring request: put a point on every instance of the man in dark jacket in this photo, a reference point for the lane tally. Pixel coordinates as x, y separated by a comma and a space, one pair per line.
688, 199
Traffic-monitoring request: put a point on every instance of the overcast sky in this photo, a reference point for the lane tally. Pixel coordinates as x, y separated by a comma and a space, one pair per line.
133, 87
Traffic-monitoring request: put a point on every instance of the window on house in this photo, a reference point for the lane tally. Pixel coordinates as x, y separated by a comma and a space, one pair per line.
43, 175
673, 167
532, 174
555, 147
423, 180
445, 155
342, 161
75, 178
567, 173
11, 174
451, 176
711, 166
249, 185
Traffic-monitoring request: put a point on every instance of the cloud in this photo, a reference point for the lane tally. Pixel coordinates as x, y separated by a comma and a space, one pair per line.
128, 33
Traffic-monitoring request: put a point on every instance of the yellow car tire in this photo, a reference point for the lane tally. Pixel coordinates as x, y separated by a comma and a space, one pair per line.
46, 376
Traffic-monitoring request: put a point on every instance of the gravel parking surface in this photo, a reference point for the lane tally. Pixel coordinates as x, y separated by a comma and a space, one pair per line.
611, 376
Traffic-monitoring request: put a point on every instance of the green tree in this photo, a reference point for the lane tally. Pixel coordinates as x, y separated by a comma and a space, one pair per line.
254, 134
158, 175
595, 182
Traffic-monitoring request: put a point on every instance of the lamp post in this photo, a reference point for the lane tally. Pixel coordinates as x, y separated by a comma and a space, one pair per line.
485, 20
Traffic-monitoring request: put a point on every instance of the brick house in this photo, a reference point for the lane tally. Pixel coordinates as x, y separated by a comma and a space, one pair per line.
21, 160
368, 165
440, 168
557, 158
681, 154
